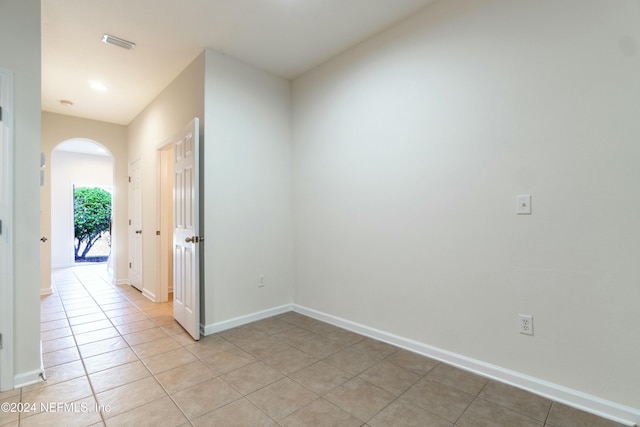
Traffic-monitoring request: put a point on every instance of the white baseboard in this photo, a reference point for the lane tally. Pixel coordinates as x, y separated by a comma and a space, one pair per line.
120, 282
149, 295
59, 266
585, 402
574, 398
46, 291
32, 377
27, 378
213, 328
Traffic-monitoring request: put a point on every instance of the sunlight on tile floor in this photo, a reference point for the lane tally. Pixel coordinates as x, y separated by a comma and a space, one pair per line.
114, 358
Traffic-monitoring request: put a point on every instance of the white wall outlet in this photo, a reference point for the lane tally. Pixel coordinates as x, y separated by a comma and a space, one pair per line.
523, 204
261, 281
525, 324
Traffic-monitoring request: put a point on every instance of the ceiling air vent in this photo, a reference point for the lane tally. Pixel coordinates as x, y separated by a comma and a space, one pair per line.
118, 42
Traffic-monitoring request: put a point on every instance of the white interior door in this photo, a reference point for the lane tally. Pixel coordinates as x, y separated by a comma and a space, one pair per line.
135, 225
186, 237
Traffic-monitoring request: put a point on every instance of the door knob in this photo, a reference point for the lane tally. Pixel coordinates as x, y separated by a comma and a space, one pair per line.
43, 239
138, 231
190, 239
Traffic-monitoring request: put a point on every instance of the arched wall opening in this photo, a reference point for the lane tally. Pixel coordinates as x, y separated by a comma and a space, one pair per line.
57, 128
76, 162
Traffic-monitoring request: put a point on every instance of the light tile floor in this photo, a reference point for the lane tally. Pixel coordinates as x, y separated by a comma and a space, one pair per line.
114, 358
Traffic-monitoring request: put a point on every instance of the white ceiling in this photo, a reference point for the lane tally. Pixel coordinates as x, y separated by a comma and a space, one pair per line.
285, 37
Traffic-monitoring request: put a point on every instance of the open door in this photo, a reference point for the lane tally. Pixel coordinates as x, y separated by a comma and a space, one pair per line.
135, 225
186, 237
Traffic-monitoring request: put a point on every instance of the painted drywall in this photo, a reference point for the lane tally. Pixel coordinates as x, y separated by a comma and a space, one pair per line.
57, 128
247, 184
20, 53
69, 170
409, 151
167, 115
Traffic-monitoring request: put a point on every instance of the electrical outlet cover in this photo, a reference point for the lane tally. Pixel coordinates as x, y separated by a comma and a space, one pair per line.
525, 324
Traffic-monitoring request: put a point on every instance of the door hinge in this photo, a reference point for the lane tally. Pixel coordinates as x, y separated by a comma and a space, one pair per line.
129, 265
0, 227
157, 232
0, 341
0, 113
129, 222
129, 179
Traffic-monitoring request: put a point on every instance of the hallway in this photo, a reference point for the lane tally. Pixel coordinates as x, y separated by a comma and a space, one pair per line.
114, 358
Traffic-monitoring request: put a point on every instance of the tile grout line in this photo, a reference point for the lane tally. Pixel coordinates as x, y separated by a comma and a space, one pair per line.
131, 348
169, 395
319, 395
477, 396
397, 398
357, 376
95, 397
73, 334
292, 341
64, 309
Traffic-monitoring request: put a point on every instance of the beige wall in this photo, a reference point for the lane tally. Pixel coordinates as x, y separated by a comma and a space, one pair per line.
409, 151
247, 200
57, 128
20, 53
164, 117
245, 177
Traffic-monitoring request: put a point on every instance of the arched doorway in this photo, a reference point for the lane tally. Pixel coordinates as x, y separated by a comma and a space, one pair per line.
75, 163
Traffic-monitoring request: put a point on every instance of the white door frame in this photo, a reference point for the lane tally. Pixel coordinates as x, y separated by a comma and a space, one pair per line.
165, 220
6, 237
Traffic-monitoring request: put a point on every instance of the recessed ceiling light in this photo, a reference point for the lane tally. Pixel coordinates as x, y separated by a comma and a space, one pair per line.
117, 41
66, 103
99, 86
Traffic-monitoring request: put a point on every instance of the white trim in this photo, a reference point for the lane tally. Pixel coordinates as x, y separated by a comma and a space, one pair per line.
32, 377
164, 243
243, 320
28, 378
119, 282
60, 266
48, 290
583, 401
7, 279
592, 404
150, 295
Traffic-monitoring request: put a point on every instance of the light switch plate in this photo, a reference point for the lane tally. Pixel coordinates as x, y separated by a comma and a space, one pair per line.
524, 204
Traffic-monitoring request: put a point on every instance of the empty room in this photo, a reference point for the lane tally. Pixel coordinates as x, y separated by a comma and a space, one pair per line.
322, 212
